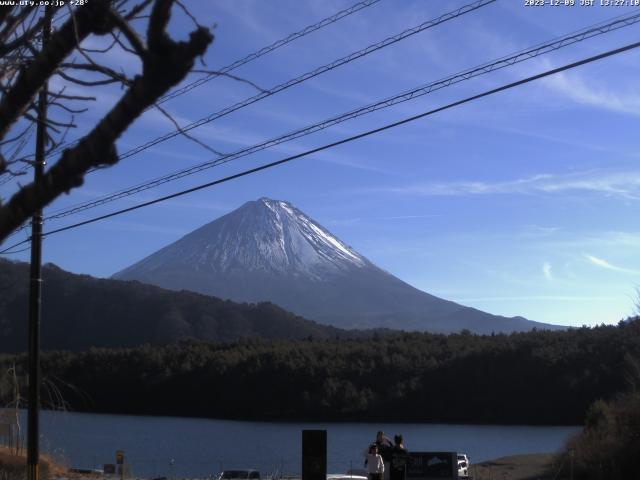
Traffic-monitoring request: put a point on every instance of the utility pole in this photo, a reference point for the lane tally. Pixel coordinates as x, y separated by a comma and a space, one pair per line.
572, 456
35, 284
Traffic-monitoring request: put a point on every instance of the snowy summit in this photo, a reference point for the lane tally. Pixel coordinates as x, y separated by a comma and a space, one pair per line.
268, 250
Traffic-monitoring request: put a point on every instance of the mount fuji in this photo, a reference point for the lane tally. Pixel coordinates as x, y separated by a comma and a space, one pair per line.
268, 250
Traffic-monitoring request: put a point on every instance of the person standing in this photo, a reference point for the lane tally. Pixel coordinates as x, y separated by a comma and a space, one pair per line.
374, 463
399, 459
384, 449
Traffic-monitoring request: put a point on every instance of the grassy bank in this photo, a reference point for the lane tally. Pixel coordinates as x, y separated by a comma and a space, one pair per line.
13, 465
518, 467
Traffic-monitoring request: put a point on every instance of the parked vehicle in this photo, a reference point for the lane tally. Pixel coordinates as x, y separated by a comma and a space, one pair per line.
345, 476
248, 474
463, 465
358, 472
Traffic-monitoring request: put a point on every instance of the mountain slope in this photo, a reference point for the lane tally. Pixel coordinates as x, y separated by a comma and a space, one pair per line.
79, 311
270, 250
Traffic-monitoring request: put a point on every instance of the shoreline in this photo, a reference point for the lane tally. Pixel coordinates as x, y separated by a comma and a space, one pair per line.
293, 421
534, 466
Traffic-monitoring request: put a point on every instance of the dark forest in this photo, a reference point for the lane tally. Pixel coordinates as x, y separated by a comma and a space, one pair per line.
539, 377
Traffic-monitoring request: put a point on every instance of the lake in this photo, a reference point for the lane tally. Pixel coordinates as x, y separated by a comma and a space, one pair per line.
188, 447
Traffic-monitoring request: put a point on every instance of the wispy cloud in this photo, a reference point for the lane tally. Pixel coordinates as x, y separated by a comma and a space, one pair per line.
574, 87
542, 298
538, 231
350, 221
546, 270
354, 97
142, 227
601, 262
251, 18
614, 184
351, 162
582, 144
182, 203
244, 139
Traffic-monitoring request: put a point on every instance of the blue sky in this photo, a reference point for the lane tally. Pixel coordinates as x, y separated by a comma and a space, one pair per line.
523, 203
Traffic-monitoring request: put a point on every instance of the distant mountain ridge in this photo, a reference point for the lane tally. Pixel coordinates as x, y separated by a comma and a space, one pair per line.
269, 250
79, 312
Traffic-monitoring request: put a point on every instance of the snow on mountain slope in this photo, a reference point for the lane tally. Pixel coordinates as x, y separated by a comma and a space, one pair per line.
263, 236
268, 250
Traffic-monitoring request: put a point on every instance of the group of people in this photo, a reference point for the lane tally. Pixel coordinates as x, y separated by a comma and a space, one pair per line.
386, 460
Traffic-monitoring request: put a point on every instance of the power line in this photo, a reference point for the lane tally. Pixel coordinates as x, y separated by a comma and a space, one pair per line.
580, 35
503, 62
413, 118
8, 176
248, 58
312, 74
27, 239
270, 48
4, 252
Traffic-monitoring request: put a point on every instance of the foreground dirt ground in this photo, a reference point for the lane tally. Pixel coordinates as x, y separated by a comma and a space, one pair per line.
517, 467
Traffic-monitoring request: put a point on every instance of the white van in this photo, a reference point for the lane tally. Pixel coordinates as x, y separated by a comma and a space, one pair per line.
463, 465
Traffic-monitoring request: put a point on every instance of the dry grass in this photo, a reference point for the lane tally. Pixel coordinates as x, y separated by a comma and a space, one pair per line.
517, 467
13, 466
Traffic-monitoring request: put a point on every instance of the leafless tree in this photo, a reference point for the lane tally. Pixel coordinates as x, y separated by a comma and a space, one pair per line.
10, 394
137, 28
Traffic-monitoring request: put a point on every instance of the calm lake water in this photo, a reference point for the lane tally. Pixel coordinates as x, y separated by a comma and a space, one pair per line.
169, 446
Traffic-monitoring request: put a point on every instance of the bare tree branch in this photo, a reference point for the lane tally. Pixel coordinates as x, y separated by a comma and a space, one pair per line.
188, 13
67, 108
137, 9
122, 45
101, 50
12, 24
5, 11
233, 77
165, 64
22, 40
17, 137
131, 35
52, 124
86, 83
89, 19
185, 134
64, 96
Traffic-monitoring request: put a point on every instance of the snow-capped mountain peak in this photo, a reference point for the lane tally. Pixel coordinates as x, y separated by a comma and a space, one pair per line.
268, 250
262, 235
302, 232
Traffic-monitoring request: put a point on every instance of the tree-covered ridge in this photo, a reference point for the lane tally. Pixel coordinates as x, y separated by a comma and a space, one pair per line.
79, 311
532, 378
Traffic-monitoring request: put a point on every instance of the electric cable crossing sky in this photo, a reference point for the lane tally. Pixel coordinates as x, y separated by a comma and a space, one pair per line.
517, 57
530, 193
343, 141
